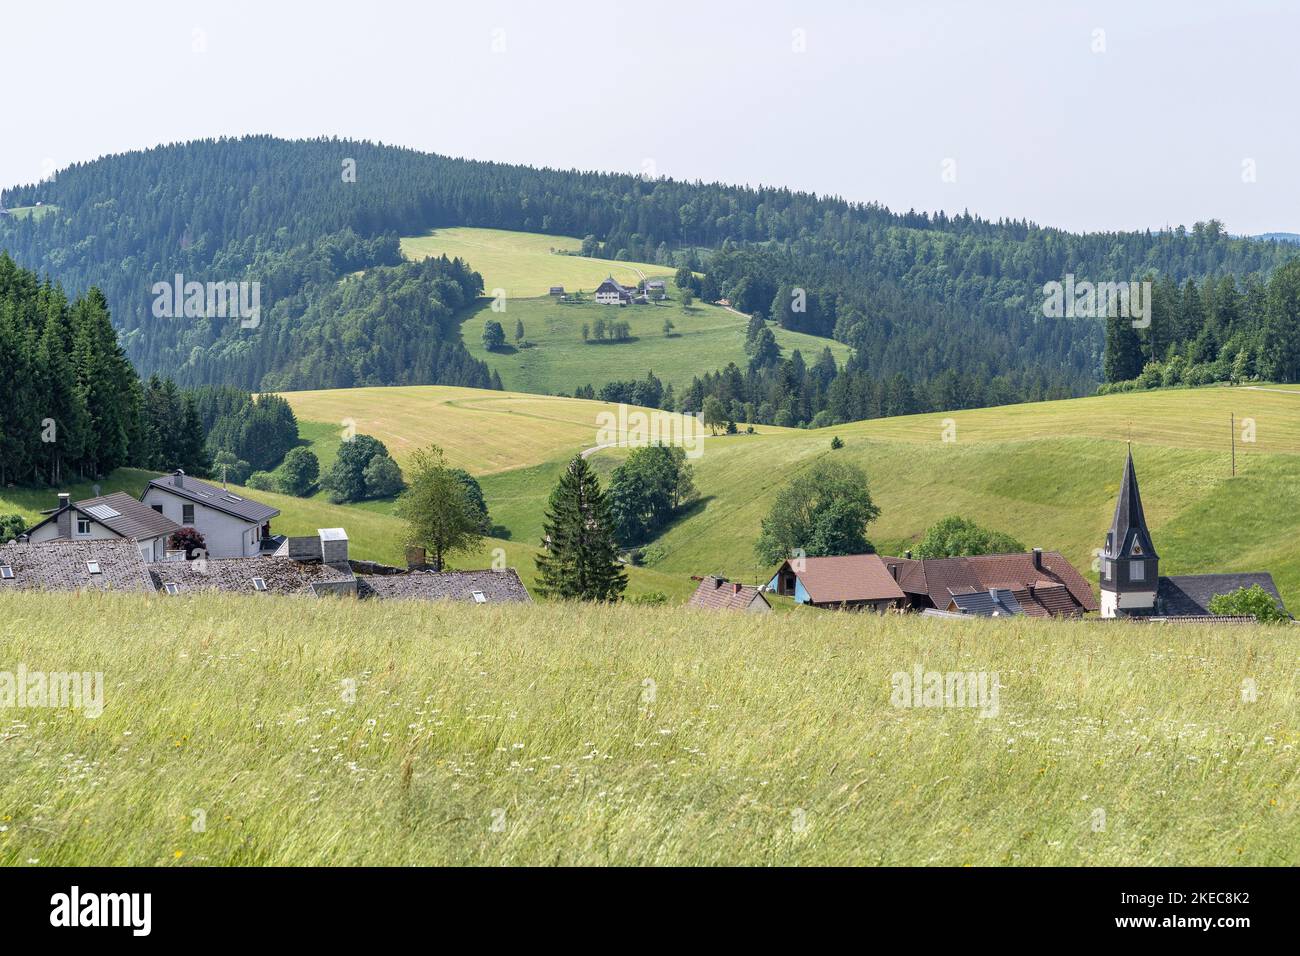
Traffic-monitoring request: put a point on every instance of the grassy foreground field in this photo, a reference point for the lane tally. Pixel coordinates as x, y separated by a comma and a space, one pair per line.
525, 263
558, 735
705, 338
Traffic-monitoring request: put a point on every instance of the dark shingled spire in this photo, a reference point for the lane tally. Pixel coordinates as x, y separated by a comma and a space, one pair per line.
1128, 531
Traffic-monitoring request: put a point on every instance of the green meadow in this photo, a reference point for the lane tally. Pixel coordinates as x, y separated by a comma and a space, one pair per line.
527, 264
291, 731
556, 359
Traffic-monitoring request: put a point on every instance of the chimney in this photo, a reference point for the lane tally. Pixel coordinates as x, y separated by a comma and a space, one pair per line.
893, 571
63, 519
1038, 559
22, 538
735, 588
333, 546
178, 478
908, 555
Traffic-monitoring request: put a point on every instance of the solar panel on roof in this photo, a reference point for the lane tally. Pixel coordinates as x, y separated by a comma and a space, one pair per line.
103, 512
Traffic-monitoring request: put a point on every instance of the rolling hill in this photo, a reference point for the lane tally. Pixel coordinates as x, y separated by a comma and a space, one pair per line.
1046, 473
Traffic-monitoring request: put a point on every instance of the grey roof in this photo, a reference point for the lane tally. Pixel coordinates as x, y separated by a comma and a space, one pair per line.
62, 565
495, 586
134, 519
200, 492
235, 575
1128, 529
1189, 595
613, 285
999, 601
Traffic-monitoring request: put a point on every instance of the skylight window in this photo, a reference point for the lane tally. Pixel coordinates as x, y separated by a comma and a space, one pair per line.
259, 584
479, 597
6, 572
171, 587
93, 567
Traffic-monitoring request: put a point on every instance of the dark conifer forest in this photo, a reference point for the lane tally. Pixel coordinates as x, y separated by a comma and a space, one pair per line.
943, 311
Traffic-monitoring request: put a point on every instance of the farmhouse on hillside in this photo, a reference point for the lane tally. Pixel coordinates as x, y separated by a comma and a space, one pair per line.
109, 516
1039, 584
856, 582
1131, 585
655, 289
716, 593
232, 526
611, 292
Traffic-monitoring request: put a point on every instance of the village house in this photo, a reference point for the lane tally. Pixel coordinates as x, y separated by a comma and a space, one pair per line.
611, 292
656, 289
716, 593
117, 515
856, 582
232, 526
1131, 585
1038, 583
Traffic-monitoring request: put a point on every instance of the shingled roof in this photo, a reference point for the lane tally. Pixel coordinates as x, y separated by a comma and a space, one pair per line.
65, 565
1055, 588
200, 492
716, 593
235, 575
1189, 595
496, 587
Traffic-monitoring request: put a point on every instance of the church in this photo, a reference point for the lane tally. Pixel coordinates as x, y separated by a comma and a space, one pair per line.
1131, 585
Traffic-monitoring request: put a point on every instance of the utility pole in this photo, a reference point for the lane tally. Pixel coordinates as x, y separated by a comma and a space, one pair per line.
1232, 435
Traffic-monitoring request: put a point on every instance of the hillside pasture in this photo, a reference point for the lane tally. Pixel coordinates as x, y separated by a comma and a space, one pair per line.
527, 264
556, 358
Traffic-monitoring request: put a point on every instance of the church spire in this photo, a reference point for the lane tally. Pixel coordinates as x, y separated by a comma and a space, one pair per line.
1129, 535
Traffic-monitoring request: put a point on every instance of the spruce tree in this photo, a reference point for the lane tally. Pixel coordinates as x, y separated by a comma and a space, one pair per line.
579, 559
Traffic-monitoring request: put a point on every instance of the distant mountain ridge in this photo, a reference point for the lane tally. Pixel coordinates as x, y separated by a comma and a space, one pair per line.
916, 294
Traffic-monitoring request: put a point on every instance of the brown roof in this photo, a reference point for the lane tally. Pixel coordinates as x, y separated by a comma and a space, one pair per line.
235, 575
1055, 589
62, 565
496, 587
849, 577
719, 594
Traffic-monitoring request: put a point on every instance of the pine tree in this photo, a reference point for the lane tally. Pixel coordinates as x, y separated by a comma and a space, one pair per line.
579, 556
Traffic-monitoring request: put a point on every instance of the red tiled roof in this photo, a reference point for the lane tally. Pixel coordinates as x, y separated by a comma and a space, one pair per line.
1056, 588
849, 577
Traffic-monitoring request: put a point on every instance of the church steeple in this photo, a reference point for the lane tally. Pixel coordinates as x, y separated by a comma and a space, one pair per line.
1130, 566
1128, 531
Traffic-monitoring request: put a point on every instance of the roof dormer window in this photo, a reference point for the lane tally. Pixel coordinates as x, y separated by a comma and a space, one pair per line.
6, 572
93, 567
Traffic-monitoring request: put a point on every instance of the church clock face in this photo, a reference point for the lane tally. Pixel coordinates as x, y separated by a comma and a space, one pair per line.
1137, 549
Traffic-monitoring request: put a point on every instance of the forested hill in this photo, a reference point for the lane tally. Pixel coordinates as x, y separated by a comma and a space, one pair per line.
918, 294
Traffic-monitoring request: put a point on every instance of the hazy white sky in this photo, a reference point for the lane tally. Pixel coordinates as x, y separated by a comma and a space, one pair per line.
1157, 120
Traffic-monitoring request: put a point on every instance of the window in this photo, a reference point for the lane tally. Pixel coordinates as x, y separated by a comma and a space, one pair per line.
1137, 571
479, 597
157, 508
259, 584
187, 515
171, 587
93, 567
83, 526
6, 572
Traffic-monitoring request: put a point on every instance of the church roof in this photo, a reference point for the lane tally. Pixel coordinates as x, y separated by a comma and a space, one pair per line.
1128, 530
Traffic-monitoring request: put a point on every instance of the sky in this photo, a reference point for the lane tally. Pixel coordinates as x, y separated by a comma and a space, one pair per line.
1086, 115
